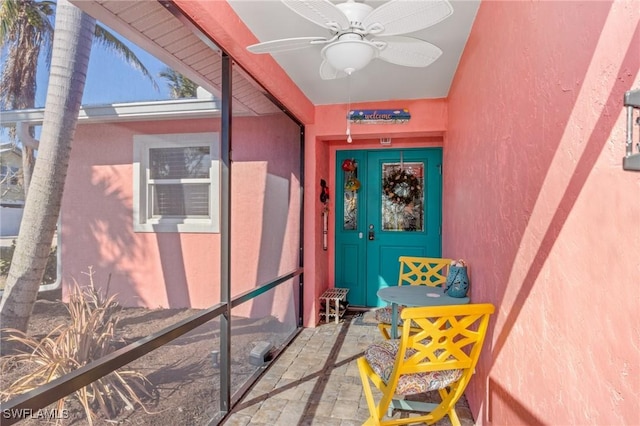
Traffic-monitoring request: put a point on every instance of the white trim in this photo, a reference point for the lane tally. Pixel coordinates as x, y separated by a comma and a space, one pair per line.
129, 111
141, 146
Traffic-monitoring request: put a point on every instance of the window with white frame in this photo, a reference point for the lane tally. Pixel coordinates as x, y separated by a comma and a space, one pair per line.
176, 182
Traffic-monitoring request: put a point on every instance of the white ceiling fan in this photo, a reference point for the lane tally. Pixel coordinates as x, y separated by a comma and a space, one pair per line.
360, 33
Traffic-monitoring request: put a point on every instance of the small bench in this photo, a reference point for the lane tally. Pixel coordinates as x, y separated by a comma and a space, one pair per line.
336, 295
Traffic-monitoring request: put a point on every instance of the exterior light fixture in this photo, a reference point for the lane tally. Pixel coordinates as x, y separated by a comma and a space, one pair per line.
350, 53
631, 161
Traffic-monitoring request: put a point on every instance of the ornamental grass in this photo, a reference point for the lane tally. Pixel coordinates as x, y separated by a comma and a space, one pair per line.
89, 336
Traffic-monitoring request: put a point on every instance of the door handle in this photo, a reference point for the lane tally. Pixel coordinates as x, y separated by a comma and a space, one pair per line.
372, 234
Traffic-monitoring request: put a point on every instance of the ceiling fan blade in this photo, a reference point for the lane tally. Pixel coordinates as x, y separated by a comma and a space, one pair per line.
285, 44
407, 51
327, 72
320, 12
406, 16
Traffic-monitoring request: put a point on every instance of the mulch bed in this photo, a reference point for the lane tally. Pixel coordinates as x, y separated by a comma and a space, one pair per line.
182, 371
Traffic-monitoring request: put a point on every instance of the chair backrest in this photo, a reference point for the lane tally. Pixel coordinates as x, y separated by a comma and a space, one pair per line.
430, 271
442, 338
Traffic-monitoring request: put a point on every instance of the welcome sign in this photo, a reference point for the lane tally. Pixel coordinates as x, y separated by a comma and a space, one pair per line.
379, 116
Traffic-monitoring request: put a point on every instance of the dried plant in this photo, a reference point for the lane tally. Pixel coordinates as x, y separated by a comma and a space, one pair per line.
90, 335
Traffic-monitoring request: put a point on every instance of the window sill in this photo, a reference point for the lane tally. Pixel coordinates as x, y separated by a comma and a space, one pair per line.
181, 227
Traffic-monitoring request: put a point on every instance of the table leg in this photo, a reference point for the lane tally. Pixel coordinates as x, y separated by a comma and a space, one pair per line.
394, 320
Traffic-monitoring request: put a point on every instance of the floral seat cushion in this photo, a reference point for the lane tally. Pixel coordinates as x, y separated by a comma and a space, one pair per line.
381, 357
383, 315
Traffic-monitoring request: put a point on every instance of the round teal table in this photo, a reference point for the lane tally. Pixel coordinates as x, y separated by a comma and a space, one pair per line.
415, 295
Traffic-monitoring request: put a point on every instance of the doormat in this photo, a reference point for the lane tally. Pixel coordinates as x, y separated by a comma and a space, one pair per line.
365, 318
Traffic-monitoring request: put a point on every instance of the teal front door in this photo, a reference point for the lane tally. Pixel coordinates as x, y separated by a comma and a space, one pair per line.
388, 204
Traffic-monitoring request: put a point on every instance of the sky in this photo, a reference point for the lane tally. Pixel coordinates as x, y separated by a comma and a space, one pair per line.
111, 80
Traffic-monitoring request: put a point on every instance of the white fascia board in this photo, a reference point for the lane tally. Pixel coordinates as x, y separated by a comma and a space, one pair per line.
130, 111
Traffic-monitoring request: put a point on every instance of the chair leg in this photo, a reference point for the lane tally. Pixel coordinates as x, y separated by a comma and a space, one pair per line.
450, 397
384, 330
453, 416
365, 370
377, 412
385, 408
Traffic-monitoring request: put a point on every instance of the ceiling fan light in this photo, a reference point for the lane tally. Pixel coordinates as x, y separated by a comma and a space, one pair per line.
349, 55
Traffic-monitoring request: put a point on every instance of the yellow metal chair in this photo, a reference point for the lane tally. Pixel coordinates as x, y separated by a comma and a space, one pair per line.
429, 271
439, 353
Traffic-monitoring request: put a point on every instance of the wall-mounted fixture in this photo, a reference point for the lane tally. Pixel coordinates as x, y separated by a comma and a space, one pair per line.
631, 161
385, 141
324, 199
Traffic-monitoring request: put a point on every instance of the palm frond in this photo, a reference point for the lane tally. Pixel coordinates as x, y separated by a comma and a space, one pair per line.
179, 85
26, 30
111, 42
9, 12
87, 337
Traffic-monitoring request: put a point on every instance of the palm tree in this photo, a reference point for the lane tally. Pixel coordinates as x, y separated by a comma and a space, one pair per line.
69, 63
71, 48
180, 86
26, 31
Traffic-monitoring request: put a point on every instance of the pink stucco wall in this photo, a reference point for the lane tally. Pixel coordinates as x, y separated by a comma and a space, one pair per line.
322, 139
322, 124
172, 270
535, 199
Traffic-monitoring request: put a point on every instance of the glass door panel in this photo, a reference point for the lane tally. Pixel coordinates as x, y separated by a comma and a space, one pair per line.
402, 193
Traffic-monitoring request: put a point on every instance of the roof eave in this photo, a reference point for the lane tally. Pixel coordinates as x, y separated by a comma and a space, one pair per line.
130, 111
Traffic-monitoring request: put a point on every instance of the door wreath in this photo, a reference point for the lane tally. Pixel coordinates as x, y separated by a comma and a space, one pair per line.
350, 168
401, 187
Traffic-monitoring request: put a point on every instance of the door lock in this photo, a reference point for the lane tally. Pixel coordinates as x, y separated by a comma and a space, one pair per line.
372, 234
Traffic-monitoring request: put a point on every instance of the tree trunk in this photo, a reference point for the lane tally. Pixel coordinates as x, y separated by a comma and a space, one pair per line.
28, 162
70, 59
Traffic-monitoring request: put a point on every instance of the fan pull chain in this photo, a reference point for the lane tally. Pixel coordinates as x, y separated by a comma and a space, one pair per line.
349, 140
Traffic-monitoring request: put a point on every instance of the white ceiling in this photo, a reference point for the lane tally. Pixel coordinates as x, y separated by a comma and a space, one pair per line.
149, 24
271, 20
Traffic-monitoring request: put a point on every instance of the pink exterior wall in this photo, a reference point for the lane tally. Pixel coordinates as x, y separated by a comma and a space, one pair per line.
265, 215
428, 117
97, 225
536, 200
219, 20
172, 270
322, 139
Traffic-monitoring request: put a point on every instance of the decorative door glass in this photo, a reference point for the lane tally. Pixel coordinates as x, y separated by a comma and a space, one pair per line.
351, 186
402, 196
